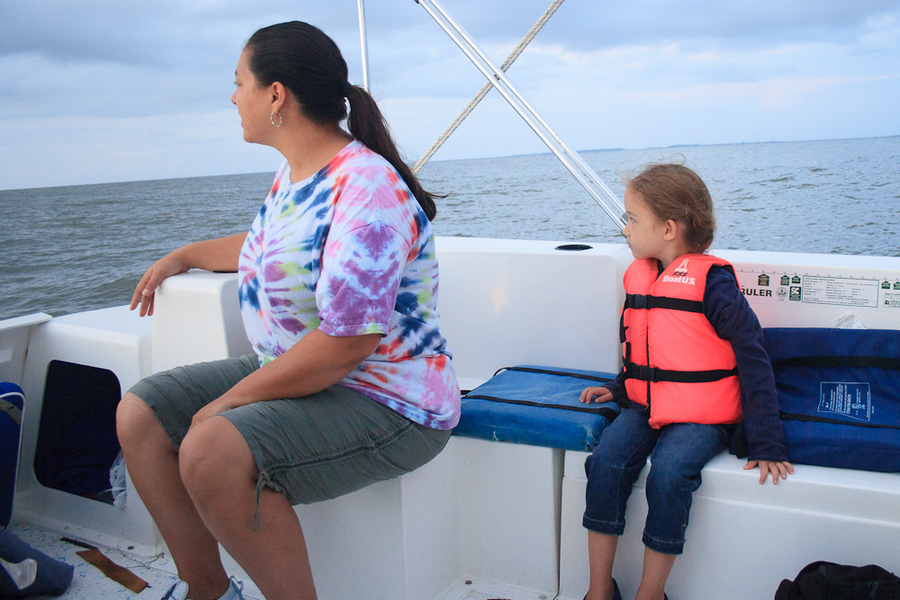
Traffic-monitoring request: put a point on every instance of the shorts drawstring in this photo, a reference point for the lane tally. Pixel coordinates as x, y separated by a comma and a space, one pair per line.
260, 484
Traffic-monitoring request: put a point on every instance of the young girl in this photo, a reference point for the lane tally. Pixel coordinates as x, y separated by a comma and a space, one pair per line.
694, 367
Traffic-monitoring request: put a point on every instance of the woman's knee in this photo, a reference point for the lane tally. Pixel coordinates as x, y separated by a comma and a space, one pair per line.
135, 421
213, 457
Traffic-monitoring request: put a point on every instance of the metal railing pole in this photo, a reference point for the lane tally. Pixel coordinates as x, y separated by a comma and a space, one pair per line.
363, 42
582, 172
487, 86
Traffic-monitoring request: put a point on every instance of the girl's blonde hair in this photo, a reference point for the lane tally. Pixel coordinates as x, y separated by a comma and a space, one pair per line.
675, 192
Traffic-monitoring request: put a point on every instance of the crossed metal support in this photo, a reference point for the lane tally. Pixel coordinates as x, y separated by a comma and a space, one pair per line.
496, 77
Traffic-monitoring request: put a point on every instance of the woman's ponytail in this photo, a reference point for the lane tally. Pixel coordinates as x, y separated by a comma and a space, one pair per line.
310, 65
367, 124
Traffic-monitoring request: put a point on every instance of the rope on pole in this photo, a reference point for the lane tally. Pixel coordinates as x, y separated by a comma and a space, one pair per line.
487, 86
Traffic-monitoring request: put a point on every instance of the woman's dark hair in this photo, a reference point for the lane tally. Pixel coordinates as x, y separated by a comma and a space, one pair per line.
309, 64
675, 192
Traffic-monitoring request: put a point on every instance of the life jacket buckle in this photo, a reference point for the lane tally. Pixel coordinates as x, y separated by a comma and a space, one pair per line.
637, 301
646, 373
641, 372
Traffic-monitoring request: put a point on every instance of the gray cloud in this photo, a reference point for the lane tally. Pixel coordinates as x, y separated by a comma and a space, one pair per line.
126, 65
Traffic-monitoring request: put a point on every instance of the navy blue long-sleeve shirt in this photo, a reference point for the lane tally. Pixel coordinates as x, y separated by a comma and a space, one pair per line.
733, 319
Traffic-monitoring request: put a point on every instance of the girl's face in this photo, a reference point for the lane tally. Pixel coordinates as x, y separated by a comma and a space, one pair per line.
644, 231
253, 102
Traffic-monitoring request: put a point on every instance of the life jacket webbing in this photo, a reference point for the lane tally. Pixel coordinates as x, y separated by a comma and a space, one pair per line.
644, 373
641, 302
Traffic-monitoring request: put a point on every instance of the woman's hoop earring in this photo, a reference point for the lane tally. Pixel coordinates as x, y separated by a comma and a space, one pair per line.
280, 119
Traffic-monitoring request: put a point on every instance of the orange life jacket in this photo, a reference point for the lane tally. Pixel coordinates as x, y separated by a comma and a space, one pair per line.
675, 363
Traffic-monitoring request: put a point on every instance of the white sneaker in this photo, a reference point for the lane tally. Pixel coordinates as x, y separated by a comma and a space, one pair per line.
234, 592
178, 591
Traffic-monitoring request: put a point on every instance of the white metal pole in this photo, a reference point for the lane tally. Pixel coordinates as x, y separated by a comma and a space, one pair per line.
582, 172
487, 86
363, 43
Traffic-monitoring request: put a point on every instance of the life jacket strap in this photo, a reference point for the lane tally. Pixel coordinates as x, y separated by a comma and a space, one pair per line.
645, 373
645, 302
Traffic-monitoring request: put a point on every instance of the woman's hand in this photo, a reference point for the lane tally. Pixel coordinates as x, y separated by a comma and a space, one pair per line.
219, 405
595, 394
145, 292
220, 254
312, 364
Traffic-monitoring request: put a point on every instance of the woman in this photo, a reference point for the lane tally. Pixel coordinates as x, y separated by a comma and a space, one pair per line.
338, 286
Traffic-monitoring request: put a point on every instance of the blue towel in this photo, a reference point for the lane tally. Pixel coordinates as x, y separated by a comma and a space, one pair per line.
53, 576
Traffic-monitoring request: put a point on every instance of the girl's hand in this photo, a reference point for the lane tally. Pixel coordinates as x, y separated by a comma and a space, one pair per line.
145, 292
595, 394
779, 470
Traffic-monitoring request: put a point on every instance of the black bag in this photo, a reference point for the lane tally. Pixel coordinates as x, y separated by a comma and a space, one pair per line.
829, 581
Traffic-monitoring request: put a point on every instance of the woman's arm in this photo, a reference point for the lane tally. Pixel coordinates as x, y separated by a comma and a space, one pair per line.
314, 363
213, 255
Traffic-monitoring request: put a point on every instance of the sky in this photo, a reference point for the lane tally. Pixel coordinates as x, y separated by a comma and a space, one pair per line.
95, 91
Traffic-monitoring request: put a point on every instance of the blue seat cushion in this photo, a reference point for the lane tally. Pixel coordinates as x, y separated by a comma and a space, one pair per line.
538, 406
838, 395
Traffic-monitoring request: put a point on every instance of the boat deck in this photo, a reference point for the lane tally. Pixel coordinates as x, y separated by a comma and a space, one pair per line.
89, 583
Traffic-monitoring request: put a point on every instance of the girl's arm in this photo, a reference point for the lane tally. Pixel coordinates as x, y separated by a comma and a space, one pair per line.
735, 321
213, 255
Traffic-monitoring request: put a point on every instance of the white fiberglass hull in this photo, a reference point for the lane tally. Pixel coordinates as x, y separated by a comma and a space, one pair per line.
505, 517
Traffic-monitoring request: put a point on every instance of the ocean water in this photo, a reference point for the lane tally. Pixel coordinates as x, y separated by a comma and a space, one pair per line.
67, 249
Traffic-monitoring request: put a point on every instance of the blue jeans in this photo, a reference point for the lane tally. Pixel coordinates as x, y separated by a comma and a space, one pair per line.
679, 451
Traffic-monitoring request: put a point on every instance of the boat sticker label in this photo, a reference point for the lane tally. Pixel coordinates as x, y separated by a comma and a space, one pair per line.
847, 399
840, 290
768, 287
849, 321
891, 300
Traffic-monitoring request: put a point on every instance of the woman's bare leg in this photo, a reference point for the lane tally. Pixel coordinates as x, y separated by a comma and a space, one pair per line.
220, 475
153, 465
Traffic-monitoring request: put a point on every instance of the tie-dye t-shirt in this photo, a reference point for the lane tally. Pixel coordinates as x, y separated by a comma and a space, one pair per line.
349, 251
